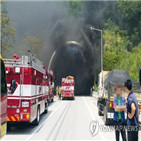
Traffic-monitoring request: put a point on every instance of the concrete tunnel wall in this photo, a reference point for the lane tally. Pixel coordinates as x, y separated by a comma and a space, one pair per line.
69, 60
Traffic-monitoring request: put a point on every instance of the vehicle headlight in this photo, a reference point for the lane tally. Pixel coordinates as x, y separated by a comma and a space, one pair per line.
25, 104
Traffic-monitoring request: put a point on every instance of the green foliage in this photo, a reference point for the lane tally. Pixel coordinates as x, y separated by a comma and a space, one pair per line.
74, 7
122, 36
2, 2
111, 59
114, 48
95, 88
7, 32
130, 14
33, 43
132, 62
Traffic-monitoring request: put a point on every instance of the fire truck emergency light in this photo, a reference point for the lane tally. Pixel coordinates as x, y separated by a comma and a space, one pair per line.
25, 71
44, 83
8, 70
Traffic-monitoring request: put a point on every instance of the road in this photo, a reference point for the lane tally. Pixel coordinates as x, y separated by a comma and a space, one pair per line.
65, 120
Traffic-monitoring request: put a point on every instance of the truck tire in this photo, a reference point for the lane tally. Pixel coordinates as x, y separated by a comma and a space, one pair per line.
106, 120
8, 126
52, 99
46, 108
37, 120
99, 109
72, 98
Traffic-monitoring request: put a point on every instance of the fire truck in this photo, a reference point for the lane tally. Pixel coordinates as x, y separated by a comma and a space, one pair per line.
67, 87
28, 90
3, 101
51, 77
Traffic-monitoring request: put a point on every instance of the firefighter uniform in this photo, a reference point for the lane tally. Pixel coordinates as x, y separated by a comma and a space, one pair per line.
57, 91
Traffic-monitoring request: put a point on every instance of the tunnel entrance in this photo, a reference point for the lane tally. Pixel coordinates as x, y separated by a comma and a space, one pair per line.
69, 60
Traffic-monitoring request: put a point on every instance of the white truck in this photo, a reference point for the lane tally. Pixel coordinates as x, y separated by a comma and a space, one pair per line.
101, 92
106, 92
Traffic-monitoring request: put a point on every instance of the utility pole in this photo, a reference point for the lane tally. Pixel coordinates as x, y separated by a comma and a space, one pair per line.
92, 28
0, 45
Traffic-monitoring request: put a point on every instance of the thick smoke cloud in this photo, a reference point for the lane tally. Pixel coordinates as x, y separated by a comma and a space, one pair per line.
53, 22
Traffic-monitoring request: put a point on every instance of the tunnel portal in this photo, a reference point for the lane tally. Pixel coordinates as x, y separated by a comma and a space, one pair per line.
69, 60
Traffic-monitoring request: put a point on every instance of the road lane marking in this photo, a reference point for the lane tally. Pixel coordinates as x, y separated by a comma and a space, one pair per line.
61, 120
102, 136
35, 131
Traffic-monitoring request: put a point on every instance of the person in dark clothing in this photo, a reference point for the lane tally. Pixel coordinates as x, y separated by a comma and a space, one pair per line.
132, 112
119, 116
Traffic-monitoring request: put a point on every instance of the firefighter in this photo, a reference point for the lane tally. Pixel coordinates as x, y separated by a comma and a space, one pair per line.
59, 92
15, 57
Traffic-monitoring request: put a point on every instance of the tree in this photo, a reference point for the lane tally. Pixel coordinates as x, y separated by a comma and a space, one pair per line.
122, 34
74, 7
128, 18
33, 43
7, 32
132, 62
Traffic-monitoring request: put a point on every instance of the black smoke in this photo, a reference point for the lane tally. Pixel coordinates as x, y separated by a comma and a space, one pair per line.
69, 60
55, 24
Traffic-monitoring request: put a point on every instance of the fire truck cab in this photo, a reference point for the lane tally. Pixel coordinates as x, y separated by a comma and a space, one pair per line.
28, 91
3, 101
67, 87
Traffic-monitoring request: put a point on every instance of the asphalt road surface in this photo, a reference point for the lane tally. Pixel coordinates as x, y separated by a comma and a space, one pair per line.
66, 120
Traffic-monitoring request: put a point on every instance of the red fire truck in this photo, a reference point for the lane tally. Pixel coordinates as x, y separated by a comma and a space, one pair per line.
3, 101
67, 87
28, 90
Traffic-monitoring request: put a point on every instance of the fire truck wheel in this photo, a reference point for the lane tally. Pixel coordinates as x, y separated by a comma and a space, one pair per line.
72, 98
52, 99
8, 126
38, 116
99, 109
48, 101
46, 108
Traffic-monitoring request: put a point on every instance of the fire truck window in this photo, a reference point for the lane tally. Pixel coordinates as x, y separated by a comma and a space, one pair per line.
3, 79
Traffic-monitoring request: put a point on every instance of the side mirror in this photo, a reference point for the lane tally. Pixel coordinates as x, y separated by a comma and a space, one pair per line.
13, 85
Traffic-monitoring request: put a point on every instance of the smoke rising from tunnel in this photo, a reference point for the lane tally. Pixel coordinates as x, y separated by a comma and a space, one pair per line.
54, 23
